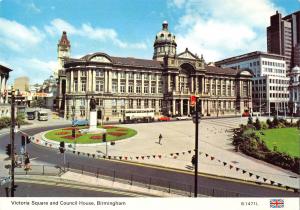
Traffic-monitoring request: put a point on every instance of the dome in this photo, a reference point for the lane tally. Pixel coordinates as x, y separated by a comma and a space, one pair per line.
164, 36
296, 69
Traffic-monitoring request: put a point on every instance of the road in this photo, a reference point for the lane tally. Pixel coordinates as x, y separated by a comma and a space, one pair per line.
180, 180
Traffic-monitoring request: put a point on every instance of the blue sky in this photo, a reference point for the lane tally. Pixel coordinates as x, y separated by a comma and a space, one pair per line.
30, 29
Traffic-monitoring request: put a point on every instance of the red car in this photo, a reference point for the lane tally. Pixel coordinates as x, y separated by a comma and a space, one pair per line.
164, 118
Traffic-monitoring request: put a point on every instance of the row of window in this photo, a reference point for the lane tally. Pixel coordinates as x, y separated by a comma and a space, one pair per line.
224, 105
279, 95
276, 64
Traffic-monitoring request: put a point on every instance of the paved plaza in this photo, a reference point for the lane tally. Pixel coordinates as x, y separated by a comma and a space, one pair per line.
179, 138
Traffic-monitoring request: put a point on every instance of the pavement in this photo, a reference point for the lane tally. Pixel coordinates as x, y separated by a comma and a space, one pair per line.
176, 150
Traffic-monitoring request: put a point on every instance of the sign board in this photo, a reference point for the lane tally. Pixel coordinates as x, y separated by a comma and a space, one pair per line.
194, 118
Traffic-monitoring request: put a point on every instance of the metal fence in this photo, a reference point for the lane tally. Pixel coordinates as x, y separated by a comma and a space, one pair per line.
149, 182
49, 170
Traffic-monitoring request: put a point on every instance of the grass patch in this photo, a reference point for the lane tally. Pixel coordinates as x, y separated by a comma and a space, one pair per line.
113, 134
286, 140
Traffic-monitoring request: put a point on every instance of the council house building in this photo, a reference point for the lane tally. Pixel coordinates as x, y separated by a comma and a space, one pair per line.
164, 83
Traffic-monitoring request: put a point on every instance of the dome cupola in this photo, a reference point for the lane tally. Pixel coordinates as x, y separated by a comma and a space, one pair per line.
164, 44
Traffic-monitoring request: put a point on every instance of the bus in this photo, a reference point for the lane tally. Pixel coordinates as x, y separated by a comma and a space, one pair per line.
30, 115
42, 116
138, 115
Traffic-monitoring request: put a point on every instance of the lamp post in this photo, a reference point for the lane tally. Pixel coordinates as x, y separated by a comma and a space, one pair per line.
73, 116
86, 98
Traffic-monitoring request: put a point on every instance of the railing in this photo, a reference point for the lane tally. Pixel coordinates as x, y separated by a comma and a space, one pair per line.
150, 182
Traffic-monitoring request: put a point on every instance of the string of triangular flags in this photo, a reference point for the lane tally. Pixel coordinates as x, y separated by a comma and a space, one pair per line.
176, 154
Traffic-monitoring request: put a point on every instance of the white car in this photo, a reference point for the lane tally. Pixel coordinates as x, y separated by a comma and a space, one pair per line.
184, 118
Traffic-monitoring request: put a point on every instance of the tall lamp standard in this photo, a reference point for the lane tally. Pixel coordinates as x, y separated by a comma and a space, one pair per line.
73, 118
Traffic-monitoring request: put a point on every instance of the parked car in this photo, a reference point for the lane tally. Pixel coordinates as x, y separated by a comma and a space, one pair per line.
246, 114
164, 118
184, 118
80, 122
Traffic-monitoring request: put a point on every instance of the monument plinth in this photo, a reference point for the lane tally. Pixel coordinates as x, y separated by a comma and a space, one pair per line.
93, 120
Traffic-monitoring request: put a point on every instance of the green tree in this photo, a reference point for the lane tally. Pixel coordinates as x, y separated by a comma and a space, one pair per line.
38, 102
269, 123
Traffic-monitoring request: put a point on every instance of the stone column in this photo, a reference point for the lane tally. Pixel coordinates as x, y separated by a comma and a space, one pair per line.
181, 106
90, 80
196, 84
221, 84
216, 87
202, 85
177, 83
119, 81
105, 80
143, 84
210, 85
79, 80
188, 106
2, 100
156, 90
231, 88
169, 83
173, 107
72, 82
127, 82
109, 81
134, 82
150, 83
94, 80
208, 106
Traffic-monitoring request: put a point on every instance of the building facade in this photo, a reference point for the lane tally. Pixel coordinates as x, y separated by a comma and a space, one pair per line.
270, 84
295, 91
4, 106
164, 83
283, 37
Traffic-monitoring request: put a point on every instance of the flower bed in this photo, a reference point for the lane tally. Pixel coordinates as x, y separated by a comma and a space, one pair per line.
121, 129
62, 133
109, 126
96, 137
70, 128
116, 133
71, 137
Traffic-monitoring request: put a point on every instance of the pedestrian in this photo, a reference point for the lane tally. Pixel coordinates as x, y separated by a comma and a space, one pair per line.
159, 138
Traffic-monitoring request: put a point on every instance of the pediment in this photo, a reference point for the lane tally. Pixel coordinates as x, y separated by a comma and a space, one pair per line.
187, 55
100, 58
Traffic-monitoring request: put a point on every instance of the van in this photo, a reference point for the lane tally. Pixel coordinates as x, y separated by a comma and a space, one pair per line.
42, 116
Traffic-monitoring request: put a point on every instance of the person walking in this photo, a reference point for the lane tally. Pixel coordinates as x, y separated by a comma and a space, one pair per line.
159, 138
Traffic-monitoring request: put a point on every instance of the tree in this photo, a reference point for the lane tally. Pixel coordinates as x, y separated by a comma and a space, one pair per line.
269, 123
257, 124
38, 102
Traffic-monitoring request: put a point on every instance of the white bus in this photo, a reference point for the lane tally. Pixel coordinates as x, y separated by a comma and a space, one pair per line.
138, 115
42, 116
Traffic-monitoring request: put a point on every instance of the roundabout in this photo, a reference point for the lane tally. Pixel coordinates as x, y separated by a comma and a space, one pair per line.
113, 133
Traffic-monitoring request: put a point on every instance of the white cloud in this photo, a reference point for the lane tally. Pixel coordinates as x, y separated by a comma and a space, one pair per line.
218, 28
86, 30
17, 36
36, 69
34, 8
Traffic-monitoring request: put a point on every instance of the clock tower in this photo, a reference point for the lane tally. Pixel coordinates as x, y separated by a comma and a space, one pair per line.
63, 50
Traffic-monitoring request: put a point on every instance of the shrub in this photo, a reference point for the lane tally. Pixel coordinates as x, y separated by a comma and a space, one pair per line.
269, 123
257, 124
275, 122
264, 125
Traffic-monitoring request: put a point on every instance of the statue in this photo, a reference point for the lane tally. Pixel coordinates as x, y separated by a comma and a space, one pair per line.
92, 104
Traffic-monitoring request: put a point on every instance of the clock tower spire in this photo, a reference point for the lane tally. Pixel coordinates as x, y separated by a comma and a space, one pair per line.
63, 50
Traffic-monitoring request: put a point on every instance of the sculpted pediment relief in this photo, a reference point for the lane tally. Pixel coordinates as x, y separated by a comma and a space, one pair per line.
101, 59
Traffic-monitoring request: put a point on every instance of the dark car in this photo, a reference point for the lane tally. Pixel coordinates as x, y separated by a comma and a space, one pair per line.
80, 122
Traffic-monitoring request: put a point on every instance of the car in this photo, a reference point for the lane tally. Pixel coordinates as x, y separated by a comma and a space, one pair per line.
80, 122
164, 118
184, 118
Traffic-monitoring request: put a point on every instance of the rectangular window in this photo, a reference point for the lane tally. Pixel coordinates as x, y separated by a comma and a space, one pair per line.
99, 73
138, 103
83, 73
153, 89
146, 103
122, 75
130, 88
114, 86
146, 88
146, 76
130, 75
100, 85
130, 103
138, 76
83, 86
75, 85
115, 75
153, 103
139, 88
122, 87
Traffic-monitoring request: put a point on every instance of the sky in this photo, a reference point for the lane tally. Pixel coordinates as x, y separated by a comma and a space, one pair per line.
31, 29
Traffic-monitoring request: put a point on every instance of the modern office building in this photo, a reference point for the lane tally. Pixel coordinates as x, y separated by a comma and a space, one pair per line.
163, 84
283, 37
295, 91
4, 106
270, 83
22, 84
